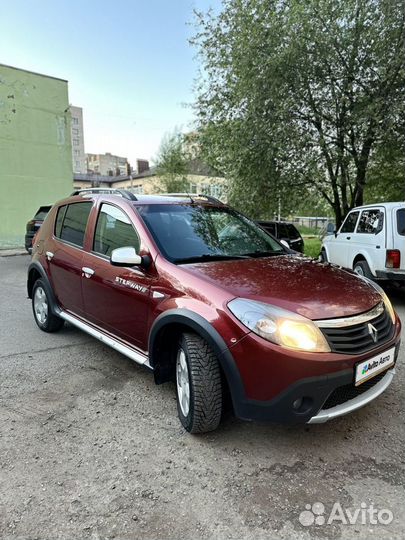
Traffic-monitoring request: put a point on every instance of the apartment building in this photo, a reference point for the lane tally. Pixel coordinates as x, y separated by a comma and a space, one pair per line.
107, 164
35, 148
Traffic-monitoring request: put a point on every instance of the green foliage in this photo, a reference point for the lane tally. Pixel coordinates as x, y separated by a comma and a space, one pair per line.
312, 247
172, 163
297, 99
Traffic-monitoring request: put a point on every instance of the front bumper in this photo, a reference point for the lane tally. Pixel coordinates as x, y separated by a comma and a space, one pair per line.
356, 403
286, 383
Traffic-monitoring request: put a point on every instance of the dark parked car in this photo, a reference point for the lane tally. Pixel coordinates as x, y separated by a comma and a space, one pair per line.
284, 231
34, 224
200, 295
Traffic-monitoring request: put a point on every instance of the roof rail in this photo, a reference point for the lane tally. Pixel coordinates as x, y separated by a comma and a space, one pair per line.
211, 199
193, 196
107, 191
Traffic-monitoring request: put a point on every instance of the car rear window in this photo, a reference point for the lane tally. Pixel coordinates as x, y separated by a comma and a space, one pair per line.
42, 212
71, 222
401, 221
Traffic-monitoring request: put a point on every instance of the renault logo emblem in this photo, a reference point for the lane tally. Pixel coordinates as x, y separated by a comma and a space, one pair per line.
372, 330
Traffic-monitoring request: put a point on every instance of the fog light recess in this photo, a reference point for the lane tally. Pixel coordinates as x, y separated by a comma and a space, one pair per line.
302, 404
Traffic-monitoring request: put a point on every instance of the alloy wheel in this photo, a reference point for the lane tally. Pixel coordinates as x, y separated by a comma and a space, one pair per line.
183, 382
40, 305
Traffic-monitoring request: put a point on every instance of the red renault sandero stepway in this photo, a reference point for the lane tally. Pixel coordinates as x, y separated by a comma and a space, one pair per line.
201, 295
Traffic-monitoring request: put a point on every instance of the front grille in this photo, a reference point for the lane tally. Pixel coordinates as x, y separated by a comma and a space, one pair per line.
349, 391
356, 339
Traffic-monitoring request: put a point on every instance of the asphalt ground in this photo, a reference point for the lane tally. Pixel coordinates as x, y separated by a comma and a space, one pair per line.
91, 448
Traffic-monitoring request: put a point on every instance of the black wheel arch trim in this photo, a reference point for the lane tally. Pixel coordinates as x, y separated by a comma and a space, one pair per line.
205, 329
35, 265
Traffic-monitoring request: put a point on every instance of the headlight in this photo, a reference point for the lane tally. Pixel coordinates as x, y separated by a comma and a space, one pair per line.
386, 300
279, 326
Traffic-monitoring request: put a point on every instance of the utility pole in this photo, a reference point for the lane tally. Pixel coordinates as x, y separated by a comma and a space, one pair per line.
279, 207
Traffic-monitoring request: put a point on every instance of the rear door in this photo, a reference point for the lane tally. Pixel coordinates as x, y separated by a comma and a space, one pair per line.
116, 299
65, 254
398, 221
339, 245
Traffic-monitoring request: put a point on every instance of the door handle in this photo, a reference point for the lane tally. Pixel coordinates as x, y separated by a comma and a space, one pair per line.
49, 255
348, 237
88, 272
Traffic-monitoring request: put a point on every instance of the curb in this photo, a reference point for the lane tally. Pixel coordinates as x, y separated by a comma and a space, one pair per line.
12, 252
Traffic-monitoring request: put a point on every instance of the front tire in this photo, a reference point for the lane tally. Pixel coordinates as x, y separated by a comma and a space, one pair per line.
45, 319
198, 385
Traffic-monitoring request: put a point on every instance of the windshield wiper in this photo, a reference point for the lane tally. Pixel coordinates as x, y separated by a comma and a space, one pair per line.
259, 253
209, 257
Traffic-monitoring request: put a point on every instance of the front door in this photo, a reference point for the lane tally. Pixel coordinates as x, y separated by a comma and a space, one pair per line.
116, 299
339, 246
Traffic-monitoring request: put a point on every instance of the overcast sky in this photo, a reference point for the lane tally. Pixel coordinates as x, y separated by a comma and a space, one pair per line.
128, 63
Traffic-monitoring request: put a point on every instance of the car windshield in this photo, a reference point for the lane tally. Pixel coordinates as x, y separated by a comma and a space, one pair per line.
192, 233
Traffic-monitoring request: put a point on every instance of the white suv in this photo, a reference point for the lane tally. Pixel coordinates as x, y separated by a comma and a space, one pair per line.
371, 241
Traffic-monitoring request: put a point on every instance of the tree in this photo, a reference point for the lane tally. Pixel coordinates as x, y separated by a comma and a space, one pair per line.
300, 96
172, 164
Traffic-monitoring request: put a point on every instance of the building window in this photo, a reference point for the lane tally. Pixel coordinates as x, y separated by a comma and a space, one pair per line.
76, 142
75, 121
75, 131
77, 152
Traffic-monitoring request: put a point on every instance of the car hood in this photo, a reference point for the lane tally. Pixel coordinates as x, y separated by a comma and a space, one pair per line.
312, 289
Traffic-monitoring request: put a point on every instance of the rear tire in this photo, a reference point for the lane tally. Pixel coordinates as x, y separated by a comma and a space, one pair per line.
323, 256
362, 268
45, 319
198, 385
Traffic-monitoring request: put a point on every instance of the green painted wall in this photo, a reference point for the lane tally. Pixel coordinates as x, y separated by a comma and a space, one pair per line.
35, 148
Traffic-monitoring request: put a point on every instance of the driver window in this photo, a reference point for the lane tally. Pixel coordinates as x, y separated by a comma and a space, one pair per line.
114, 230
350, 223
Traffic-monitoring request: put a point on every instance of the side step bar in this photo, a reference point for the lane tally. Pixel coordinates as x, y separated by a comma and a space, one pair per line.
131, 353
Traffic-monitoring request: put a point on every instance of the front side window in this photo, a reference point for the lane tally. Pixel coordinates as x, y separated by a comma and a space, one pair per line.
71, 222
401, 221
114, 230
269, 227
188, 233
371, 221
350, 223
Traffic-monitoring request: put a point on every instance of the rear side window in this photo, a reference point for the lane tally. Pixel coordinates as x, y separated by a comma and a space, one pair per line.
114, 230
350, 222
401, 221
371, 221
71, 222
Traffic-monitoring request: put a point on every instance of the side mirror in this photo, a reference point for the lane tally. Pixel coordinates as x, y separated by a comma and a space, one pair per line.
125, 256
284, 243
